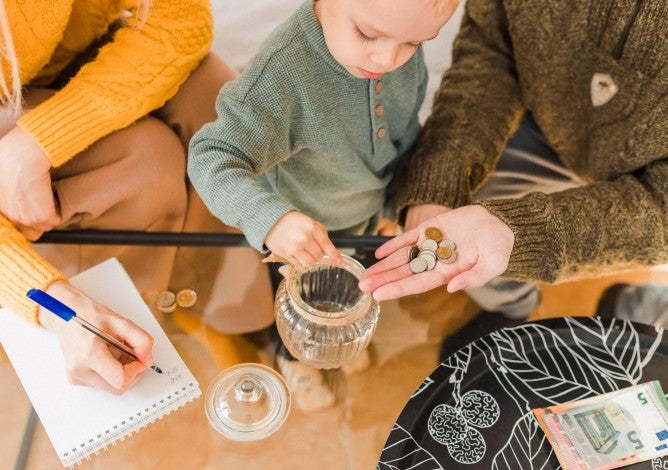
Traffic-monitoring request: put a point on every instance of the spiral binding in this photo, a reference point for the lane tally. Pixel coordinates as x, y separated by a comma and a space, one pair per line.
131, 424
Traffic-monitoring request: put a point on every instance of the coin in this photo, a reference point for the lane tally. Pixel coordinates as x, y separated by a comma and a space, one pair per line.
150, 297
413, 251
434, 233
429, 245
448, 243
418, 265
444, 252
166, 301
429, 257
451, 259
186, 298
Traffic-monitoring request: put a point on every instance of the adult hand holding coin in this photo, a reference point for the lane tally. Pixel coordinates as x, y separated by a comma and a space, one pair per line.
300, 240
482, 242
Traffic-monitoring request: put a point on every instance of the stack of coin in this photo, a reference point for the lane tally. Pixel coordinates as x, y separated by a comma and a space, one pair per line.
435, 247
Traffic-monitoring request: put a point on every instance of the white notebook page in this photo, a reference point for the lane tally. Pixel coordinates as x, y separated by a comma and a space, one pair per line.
81, 420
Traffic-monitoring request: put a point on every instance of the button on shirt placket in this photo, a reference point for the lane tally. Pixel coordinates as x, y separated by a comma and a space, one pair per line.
378, 110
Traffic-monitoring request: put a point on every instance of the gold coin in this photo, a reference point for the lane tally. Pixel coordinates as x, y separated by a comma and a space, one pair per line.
186, 298
443, 252
451, 259
434, 233
449, 243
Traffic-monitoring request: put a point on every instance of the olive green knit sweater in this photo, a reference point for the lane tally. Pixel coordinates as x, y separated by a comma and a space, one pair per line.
512, 56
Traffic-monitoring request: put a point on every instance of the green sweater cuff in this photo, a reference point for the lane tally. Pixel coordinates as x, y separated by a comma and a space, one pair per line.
258, 226
536, 253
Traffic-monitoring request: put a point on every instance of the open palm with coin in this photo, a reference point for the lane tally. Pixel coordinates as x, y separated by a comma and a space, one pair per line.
300, 240
464, 248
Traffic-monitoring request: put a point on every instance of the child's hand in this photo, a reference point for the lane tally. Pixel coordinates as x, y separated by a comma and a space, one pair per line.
387, 227
301, 240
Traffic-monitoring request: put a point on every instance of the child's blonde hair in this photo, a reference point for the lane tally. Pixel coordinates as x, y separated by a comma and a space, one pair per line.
12, 93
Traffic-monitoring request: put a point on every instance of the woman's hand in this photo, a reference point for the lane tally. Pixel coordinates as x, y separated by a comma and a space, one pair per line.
26, 195
484, 244
88, 359
301, 240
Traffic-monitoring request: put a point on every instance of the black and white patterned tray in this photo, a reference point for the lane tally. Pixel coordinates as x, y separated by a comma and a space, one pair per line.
474, 409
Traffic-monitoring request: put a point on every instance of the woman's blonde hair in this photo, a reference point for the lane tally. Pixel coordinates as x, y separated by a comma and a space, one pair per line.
12, 93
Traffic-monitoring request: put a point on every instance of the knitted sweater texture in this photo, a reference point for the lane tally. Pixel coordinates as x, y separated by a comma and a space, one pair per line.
296, 131
132, 75
512, 56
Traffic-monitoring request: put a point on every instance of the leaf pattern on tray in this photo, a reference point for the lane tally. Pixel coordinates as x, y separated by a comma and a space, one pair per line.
525, 448
401, 451
562, 371
614, 349
535, 364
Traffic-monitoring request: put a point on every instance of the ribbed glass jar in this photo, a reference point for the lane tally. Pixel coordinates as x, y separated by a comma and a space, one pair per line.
322, 316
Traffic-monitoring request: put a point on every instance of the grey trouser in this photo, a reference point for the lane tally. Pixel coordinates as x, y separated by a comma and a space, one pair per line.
527, 165
645, 303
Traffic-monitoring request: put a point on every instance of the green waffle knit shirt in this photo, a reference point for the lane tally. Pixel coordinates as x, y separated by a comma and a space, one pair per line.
512, 56
296, 131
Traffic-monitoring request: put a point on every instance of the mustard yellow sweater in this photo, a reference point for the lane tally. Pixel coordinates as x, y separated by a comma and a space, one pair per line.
132, 75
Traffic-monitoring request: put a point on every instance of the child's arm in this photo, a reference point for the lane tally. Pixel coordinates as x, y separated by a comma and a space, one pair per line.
301, 240
226, 157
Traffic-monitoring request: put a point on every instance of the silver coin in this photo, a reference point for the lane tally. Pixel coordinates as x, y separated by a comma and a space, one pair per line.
418, 265
449, 243
429, 244
166, 301
430, 257
427, 254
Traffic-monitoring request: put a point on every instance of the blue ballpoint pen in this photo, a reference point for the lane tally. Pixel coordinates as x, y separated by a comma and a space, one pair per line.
66, 313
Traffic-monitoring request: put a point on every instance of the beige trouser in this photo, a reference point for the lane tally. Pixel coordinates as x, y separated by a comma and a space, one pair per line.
134, 179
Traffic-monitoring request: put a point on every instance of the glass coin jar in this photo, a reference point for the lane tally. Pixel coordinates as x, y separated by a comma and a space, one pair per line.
322, 316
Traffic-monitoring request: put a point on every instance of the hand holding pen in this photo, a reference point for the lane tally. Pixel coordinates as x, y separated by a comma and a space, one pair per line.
89, 360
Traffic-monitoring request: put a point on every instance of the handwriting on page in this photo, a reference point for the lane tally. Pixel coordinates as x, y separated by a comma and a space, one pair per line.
174, 375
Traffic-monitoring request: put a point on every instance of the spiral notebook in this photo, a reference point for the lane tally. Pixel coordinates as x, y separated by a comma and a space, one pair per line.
81, 421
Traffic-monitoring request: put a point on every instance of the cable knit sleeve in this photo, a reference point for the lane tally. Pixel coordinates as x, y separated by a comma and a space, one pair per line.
134, 74
597, 229
475, 110
21, 269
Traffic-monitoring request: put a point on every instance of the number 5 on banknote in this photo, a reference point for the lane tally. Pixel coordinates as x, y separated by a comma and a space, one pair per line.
610, 430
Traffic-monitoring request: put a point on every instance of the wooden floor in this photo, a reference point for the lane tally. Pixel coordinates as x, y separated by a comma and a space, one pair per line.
349, 435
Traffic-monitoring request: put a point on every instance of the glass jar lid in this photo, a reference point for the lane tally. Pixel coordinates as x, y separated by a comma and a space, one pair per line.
247, 402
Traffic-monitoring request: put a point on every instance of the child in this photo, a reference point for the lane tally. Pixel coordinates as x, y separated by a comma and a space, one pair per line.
309, 136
